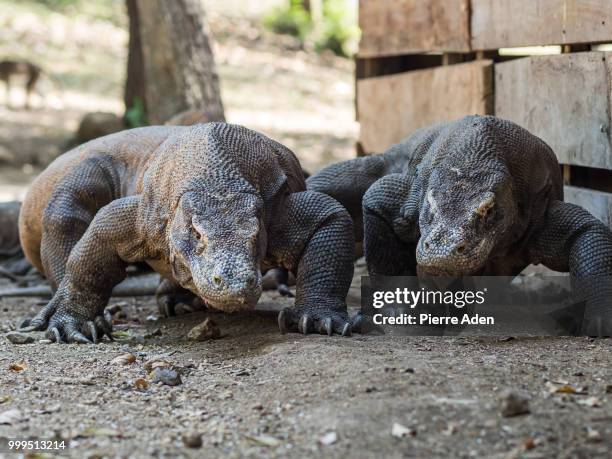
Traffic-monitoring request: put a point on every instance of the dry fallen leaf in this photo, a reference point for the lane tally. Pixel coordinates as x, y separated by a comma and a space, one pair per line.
529, 443
17, 366
593, 435
329, 438
124, 359
156, 362
265, 440
399, 431
591, 401
560, 389
100, 432
141, 384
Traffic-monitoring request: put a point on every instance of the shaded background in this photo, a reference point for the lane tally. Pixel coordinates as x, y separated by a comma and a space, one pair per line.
296, 86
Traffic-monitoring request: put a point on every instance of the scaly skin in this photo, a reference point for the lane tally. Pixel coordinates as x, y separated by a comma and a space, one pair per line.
208, 207
478, 196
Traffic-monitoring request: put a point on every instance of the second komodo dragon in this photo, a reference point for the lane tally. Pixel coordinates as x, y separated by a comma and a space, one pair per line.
477, 196
206, 206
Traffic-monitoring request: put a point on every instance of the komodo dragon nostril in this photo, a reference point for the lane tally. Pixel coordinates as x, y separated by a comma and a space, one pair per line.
460, 248
217, 279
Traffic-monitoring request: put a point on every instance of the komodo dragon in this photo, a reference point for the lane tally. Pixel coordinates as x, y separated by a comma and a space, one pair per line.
478, 196
206, 206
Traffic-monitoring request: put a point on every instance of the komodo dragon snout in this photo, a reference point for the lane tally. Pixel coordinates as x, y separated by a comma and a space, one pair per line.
215, 246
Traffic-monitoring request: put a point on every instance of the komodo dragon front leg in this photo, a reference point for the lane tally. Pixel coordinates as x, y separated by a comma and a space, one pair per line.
572, 239
391, 227
73, 205
314, 240
96, 264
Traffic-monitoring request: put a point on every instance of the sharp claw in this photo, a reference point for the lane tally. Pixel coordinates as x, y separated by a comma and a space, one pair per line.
169, 310
105, 326
54, 335
305, 324
357, 322
327, 327
284, 320
93, 331
78, 337
25, 323
108, 317
28, 329
283, 290
346, 330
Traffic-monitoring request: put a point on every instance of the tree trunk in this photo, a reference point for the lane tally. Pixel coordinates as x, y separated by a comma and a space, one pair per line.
135, 82
177, 72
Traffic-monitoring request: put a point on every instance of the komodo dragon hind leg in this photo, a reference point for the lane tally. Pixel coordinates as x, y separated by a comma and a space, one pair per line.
572, 239
73, 205
174, 300
96, 264
315, 238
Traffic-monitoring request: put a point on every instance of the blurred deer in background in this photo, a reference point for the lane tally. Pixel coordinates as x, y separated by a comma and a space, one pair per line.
32, 72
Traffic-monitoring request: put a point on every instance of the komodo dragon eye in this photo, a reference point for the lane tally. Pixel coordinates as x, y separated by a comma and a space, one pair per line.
485, 208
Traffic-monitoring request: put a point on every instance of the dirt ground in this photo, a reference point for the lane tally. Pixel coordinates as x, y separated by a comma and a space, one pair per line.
255, 392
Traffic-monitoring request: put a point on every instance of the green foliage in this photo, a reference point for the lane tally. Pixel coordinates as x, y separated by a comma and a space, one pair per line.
337, 32
339, 28
290, 19
135, 116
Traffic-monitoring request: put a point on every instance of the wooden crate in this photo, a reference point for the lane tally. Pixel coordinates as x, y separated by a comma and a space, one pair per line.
392, 27
511, 23
564, 99
391, 107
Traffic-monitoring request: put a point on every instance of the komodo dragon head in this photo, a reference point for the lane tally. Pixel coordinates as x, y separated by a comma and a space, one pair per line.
466, 212
215, 247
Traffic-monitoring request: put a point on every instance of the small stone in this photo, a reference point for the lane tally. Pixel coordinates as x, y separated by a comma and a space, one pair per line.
193, 440
165, 376
400, 431
19, 338
329, 438
10, 417
513, 404
124, 359
205, 331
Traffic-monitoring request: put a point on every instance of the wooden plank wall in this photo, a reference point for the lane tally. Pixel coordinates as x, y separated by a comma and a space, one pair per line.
411, 100
511, 23
391, 27
564, 99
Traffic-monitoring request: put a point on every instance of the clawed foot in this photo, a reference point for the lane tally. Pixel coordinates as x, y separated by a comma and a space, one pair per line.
326, 321
64, 326
173, 300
